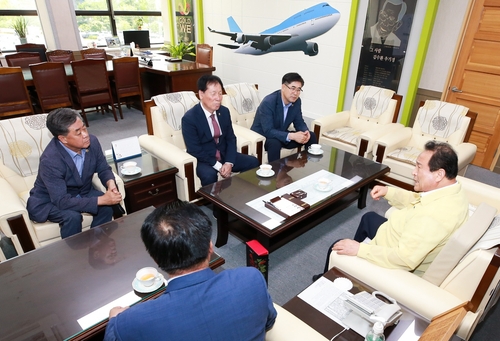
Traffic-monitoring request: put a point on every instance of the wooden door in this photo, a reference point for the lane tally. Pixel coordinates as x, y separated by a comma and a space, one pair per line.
475, 78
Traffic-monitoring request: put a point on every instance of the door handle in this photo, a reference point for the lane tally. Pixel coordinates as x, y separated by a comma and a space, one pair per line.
455, 89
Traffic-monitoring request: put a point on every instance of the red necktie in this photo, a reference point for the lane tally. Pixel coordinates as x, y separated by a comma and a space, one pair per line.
216, 135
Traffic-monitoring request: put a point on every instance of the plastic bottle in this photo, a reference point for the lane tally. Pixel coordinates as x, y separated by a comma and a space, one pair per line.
376, 333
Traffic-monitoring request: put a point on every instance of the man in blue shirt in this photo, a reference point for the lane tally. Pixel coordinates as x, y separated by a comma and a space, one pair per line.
275, 114
198, 304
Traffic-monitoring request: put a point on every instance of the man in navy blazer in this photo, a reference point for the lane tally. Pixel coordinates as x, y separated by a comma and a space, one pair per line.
63, 187
276, 112
198, 304
214, 154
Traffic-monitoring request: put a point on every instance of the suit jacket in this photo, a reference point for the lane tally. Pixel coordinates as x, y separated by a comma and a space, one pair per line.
231, 305
268, 119
59, 184
199, 140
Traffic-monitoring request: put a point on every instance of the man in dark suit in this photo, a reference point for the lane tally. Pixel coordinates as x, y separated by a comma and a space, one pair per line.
198, 304
209, 136
63, 187
276, 112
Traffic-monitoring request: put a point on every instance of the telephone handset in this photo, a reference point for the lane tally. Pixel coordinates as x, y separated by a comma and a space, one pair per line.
375, 307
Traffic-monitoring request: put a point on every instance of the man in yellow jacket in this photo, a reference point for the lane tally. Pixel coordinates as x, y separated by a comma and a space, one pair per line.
414, 234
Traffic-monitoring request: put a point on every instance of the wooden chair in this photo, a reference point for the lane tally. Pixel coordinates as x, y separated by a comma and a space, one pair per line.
204, 54
127, 80
93, 54
51, 85
38, 48
16, 100
65, 56
23, 59
92, 85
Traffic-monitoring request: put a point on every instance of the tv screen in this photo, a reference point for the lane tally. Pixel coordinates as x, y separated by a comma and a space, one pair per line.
139, 37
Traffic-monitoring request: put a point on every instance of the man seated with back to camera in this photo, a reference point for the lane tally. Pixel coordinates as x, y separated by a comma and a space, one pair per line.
414, 234
208, 133
63, 188
276, 112
198, 304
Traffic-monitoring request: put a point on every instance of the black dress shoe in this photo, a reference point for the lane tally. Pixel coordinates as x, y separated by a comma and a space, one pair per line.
315, 277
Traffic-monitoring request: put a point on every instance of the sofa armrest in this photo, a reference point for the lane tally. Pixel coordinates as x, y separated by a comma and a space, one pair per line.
96, 182
329, 122
419, 295
288, 327
12, 207
256, 140
391, 142
465, 152
376, 133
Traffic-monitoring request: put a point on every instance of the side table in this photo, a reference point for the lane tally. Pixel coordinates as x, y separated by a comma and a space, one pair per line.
153, 186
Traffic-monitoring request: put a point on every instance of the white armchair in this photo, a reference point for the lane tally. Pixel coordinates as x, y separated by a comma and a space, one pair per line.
465, 271
435, 120
373, 114
22, 141
242, 100
165, 141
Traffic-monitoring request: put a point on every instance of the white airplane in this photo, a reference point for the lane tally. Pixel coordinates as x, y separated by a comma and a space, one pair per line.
290, 35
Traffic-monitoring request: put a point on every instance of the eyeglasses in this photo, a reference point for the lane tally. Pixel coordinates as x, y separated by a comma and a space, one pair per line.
294, 89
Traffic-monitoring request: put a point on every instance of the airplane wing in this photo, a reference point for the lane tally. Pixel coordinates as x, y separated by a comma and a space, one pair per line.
230, 46
258, 41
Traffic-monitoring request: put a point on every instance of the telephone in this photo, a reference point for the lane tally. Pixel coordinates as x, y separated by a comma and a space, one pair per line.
375, 307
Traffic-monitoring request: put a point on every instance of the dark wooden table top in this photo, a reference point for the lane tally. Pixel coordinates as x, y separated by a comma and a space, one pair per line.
45, 291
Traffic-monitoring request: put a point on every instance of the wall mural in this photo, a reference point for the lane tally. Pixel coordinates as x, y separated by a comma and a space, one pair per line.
291, 35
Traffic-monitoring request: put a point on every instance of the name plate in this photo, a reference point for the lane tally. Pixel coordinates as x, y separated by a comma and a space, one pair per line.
126, 148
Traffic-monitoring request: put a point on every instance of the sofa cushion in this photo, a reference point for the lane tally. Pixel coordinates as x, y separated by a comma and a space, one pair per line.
406, 154
371, 101
460, 242
345, 134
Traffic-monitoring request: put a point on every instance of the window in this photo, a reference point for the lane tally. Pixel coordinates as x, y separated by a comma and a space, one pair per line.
100, 19
10, 11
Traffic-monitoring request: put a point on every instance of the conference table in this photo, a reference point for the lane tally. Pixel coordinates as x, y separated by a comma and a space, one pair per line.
162, 77
48, 293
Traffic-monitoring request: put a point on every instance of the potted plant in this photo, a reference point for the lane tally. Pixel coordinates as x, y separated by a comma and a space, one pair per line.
139, 22
20, 26
180, 50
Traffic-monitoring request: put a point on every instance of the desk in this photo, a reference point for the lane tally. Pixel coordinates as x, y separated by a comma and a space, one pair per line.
162, 77
44, 292
233, 193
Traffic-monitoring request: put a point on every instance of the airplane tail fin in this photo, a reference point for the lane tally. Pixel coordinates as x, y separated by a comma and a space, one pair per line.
233, 26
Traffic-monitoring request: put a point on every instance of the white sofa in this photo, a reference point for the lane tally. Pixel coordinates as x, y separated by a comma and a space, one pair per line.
22, 141
445, 285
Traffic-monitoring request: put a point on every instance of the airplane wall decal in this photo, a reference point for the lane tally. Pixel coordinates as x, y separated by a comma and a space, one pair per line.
291, 35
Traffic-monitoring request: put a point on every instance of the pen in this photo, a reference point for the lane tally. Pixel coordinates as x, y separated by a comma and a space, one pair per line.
269, 203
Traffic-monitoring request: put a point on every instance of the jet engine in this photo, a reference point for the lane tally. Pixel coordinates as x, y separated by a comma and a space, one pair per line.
311, 49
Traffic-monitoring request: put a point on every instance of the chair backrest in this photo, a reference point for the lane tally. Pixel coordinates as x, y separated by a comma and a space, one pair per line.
242, 100
127, 77
166, 116
441, 121
23, 59
93, 53
16, 100
204, 54
371, 106
64, 56
38, 48
90, 75
51, 85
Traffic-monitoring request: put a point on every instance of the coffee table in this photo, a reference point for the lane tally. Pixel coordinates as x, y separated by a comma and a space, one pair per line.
229, 196
328, 328
44, 292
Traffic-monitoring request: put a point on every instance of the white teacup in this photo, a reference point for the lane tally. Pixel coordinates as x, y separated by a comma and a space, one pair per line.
315, 148
323, 183
265, 169
129, 165
148, 276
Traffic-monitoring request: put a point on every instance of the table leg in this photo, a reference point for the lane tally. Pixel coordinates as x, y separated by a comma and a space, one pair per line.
222, 226
363, 192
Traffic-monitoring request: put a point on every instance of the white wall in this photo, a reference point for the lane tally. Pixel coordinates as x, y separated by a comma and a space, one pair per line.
321, 73
443, 42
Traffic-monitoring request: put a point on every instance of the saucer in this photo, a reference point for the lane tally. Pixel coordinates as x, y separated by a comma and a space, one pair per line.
315, 153
131, 170
326, 189
259, 173
145, 290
